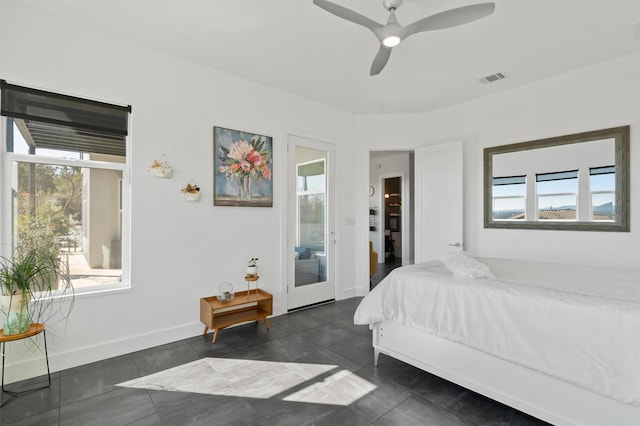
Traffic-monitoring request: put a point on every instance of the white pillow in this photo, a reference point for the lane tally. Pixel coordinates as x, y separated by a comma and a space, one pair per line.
462, 264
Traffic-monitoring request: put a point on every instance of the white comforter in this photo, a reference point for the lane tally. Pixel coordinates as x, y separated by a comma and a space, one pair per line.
577, 334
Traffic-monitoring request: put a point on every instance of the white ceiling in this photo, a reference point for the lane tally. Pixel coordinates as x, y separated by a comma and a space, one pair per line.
295, 46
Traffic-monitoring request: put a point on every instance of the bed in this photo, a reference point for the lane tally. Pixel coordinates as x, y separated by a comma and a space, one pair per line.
559, 342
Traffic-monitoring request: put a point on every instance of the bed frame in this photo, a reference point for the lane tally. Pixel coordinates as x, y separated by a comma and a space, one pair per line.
535, 393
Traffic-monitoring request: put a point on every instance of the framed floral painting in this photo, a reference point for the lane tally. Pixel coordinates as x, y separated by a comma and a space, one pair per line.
242, 168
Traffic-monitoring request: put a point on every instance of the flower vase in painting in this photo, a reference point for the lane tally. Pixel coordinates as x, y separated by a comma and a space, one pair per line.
245, 188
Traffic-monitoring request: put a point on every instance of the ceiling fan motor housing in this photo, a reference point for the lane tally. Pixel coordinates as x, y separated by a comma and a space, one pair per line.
391, 4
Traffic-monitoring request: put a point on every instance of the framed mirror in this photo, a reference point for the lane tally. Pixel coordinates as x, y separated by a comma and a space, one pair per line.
576, 182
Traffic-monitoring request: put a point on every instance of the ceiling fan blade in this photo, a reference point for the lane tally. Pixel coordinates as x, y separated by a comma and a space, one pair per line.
380, 60
449, 18
347, 14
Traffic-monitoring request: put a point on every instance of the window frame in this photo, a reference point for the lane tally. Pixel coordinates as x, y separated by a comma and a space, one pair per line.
593, 192
515, 180
553, 177
6, 223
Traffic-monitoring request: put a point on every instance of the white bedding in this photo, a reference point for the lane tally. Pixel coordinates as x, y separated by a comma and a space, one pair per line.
581, 325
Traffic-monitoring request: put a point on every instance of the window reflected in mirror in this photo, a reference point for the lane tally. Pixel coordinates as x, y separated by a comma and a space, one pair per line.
509, 197
573, 182
557, 194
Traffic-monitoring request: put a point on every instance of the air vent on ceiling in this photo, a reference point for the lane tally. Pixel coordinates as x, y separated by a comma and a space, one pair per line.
494, 77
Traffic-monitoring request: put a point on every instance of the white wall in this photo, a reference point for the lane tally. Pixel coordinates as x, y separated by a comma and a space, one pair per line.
598, 97
180, 251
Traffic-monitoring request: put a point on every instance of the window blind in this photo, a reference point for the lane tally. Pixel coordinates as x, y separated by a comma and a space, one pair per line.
311, 169
56, 121
546, 177
509, 180
602, 170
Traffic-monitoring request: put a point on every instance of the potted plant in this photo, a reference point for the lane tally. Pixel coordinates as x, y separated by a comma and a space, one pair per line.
160, 169
26, 283
252, 268
191, 192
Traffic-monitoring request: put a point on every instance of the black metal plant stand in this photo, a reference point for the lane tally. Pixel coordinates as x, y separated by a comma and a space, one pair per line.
34, 330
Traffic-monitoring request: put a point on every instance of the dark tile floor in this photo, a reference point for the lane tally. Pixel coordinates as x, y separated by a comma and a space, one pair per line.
403, 395
384, 269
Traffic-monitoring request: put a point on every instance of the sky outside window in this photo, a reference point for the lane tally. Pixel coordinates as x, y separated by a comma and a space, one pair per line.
515, 194
547, 189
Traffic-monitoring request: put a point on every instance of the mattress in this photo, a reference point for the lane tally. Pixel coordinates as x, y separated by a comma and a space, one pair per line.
578, 324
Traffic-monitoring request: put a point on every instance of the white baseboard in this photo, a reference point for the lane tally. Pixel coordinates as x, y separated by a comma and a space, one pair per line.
31, 363
347, 293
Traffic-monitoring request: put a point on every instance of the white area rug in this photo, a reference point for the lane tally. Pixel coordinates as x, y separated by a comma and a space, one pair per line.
311, 383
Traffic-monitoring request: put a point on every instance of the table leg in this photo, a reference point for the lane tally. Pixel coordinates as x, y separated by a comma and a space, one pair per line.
215, 335
266, 322
2, 345
46, 355
13, 394
205, 330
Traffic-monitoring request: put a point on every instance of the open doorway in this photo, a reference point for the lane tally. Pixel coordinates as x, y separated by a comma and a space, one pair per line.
392, 221
432, 200
391, 211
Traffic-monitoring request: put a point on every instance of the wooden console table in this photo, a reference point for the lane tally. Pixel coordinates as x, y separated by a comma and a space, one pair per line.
254, 305
34, 329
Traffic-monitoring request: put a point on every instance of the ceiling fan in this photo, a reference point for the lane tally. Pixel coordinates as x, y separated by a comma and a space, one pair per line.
392, 33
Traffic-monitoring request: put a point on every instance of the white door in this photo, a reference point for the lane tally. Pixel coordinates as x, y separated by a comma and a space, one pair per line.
438, 200
311, 232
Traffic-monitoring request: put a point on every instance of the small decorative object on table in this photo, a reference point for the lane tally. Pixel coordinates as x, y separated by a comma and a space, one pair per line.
191, 192
252, 274
225, 292
160, 168
252, 268
27, 281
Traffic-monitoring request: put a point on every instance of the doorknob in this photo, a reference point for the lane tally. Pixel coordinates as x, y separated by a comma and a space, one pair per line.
455, 245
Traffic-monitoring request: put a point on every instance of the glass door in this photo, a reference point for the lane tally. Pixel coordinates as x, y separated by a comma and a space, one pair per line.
311, 235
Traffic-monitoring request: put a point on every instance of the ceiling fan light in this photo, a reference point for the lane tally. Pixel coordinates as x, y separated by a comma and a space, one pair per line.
390, 41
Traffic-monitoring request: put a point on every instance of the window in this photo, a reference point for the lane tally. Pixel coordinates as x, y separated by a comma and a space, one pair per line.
311, 204
602, 184
509, 197
65, 185
557, 195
